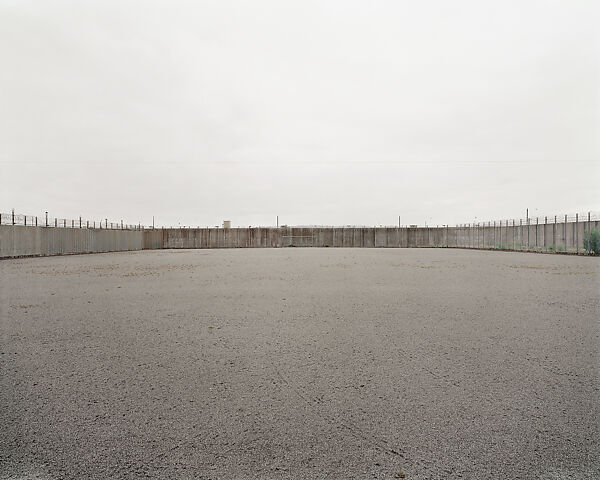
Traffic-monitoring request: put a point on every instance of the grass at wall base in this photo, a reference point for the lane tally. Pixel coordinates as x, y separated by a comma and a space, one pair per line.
591, 241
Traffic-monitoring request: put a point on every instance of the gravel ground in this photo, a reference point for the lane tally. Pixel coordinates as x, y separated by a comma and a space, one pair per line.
300, 363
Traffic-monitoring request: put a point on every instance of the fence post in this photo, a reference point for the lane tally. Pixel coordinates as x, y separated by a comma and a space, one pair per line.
545, 228
13, 216
121, 224
64, 223
498, 234
106, 223
589, 233
565, 232
513, 233
46, 218
55, 222
36, 220
80, 222
87, 224
554, 234
577, 233
25, 221
520, 233
72, 223
483, 235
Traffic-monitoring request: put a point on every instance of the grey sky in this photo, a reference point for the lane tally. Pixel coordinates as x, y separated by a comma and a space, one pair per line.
319, 112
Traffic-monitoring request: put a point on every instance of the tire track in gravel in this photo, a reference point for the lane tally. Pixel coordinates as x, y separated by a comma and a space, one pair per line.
379, 444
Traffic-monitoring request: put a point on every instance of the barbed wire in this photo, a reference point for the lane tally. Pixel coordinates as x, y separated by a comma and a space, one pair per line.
590, 216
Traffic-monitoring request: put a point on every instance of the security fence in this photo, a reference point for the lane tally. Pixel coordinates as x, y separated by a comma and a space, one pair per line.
46, 221
550, 233
565, 233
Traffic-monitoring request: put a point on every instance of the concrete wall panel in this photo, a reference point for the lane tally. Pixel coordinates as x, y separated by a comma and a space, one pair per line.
18, 240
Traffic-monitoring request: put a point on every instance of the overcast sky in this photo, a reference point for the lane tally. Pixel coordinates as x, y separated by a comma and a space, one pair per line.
320, 112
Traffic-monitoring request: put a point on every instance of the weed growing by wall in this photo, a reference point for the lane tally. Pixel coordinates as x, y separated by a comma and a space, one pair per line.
591, 241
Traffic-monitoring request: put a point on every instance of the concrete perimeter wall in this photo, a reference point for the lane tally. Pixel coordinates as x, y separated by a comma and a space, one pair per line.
17, 240
542, 237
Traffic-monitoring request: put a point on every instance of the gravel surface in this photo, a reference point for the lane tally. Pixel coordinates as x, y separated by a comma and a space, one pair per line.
300, 363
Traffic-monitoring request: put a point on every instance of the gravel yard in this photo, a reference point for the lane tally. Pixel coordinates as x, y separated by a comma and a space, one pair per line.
300, 363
